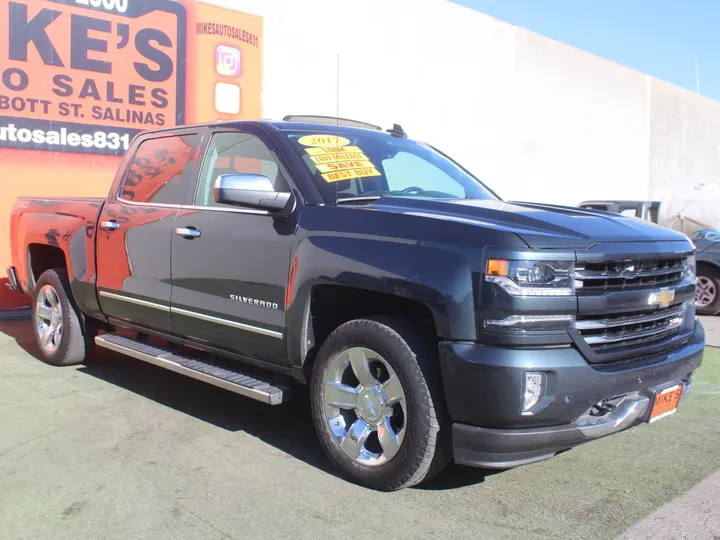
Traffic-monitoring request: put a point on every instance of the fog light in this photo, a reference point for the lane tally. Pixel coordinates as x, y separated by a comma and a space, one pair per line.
533, 390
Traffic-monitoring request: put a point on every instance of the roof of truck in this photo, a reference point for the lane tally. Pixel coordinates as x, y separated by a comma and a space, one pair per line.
297, 123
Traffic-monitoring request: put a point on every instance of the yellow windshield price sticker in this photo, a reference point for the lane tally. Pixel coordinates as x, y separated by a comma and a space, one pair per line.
332, 150
349, 156
323, 140
344, 165
352, 173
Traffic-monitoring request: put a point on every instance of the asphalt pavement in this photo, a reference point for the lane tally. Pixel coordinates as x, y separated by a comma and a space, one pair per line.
712, 330
120, 449
694, 515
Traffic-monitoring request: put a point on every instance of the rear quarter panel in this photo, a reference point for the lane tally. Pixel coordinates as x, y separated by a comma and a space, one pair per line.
67, 224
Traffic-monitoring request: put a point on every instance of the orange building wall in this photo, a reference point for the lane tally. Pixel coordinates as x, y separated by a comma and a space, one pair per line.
209, 31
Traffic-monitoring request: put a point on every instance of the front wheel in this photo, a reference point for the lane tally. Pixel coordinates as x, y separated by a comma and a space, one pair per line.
377, 404
58, 332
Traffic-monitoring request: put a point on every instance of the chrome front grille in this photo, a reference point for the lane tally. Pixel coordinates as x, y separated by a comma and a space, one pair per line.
630, 331
597, 278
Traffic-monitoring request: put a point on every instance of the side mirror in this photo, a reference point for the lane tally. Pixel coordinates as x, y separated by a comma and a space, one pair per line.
250, 190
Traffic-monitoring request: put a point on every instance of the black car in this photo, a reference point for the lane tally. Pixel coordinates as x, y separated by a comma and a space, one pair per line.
707, 244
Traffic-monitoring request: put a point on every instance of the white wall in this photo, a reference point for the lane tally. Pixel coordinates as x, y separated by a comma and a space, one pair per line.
534, 118
684, 139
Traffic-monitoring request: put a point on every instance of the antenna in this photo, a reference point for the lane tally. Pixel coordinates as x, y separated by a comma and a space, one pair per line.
337, 112
697, 72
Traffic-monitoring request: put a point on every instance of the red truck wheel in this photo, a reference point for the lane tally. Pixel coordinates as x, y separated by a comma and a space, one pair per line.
58, 332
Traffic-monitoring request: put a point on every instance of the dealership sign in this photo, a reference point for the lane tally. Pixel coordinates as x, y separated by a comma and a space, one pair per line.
85, 76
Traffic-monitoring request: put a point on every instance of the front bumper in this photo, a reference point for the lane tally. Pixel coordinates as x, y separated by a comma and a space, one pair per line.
483, 388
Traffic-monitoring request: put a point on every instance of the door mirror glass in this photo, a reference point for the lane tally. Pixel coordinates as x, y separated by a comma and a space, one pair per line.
250, 190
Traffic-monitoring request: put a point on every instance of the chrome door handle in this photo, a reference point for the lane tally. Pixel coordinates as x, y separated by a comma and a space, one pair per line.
110, 225
187, 232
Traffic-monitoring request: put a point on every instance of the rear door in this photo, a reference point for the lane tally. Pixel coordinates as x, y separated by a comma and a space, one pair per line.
230, 278
135, 229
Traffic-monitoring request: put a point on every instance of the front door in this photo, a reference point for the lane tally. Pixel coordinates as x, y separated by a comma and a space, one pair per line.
136, 230
230, 274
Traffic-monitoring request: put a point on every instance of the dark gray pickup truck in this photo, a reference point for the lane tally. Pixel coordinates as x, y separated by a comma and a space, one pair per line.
431, 319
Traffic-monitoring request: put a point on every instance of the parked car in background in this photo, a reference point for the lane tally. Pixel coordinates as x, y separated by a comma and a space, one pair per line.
647, 210
707, 243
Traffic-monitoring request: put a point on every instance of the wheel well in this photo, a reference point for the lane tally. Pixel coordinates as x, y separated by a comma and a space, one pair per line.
42, 257
334, 305
710, 268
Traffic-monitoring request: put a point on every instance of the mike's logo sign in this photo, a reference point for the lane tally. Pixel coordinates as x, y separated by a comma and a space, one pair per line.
79, 78
85, 76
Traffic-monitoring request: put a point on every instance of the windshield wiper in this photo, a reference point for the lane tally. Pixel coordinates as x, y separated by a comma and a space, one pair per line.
368, 198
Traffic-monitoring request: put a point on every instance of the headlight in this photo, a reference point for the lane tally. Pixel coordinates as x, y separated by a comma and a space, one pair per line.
532, 278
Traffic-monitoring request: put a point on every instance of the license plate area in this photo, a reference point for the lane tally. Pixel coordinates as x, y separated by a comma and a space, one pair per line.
665, 402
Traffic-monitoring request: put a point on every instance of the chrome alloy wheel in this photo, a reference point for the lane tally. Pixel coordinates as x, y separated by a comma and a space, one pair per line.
706, 291
49, 318
365, 406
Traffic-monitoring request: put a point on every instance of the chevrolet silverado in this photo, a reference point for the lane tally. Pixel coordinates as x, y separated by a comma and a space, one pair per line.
432, 320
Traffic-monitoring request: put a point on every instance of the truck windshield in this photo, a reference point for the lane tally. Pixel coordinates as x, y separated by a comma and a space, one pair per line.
351, 163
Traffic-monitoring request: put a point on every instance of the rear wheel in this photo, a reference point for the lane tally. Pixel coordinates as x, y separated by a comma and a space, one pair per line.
56, 321
707, 298
377, 404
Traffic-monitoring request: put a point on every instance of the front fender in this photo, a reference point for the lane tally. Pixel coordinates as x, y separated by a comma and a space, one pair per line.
440, 280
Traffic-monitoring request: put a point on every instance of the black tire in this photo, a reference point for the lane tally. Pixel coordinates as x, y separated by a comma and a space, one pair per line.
75, 344
711, 276
425, 449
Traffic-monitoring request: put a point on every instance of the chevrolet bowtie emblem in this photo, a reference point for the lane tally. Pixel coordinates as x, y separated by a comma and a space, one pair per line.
662, 298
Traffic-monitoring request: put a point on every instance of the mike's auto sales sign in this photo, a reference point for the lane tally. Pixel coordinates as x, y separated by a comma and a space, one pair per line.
79, 78
84, 76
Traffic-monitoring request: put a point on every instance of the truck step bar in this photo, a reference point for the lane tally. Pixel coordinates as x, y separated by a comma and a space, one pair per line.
223, 377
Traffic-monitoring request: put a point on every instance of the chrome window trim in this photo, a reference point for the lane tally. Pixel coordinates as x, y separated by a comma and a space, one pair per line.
194, 207
226, 322
254, 211
156, 205
137, 301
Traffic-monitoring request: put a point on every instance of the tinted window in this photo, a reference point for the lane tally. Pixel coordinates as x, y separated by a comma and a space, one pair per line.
404, 169
358, 162
161, 170
233, 153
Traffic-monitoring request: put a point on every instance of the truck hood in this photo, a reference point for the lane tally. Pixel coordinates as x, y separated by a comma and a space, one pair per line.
538, 225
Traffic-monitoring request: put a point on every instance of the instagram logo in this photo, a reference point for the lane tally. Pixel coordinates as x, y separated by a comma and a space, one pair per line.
228, 61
